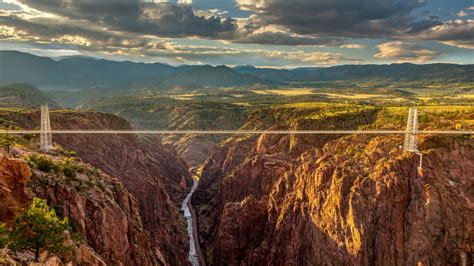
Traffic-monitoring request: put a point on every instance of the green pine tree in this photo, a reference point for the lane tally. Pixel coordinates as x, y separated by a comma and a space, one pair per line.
39, 229
6, 141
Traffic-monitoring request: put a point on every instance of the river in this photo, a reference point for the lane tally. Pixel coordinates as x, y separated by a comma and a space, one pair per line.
192, 256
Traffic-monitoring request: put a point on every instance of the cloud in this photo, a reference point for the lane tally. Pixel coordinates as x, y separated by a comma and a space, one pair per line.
153, 18
240, 56
210, 12
15, 28
179, 21
405, 52
321, 22
111, 43
251, 31
353, 46
185, 2
310, 58
144, 27
462, 13
286, 38
341, 18
159, 18
453, 32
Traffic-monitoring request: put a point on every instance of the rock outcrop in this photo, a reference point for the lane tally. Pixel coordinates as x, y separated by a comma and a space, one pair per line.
343, 200
14, 176
105, 214
100, 209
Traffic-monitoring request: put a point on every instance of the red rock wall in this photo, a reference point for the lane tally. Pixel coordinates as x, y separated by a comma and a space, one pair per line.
105, 213
14, 176
154, 173
354, 200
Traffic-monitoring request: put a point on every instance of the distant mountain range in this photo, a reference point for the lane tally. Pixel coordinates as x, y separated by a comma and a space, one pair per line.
393, 72
84, 72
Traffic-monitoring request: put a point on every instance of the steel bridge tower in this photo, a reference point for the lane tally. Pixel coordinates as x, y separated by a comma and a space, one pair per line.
411, 136
46, 139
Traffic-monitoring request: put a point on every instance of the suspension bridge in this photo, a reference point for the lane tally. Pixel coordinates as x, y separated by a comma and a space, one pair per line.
410, 144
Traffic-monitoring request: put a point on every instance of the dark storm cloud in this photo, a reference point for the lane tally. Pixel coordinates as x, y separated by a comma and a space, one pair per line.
322, 19
344, 18
167, 19
164, 19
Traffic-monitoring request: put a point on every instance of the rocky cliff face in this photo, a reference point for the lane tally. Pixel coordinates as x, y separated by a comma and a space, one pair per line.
103, 212
354, 200
14, 176
152, 172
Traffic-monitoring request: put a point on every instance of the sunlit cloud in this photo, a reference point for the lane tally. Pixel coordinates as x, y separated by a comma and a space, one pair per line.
353, 46
185, 2
462, 13
405, 52
453, 32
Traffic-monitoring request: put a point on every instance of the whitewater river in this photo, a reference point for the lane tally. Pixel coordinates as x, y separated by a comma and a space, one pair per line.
192, 256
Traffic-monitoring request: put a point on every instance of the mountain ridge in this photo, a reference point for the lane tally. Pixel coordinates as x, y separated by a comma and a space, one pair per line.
22, 95
84, 72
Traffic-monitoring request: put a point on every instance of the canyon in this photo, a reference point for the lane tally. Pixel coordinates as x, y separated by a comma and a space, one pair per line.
261, 199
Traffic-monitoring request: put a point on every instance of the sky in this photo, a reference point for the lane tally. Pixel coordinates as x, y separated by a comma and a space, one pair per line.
262, 33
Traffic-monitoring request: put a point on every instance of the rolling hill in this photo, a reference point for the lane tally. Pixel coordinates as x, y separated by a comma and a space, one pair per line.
220, 76
23, 96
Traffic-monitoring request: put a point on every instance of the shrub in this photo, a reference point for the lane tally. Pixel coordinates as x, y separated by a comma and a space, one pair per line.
45, 165
28, 137
41, 163
68, 166
69, 171
39, 229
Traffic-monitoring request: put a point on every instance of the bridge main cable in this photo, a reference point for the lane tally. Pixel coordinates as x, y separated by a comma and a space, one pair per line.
232, 132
